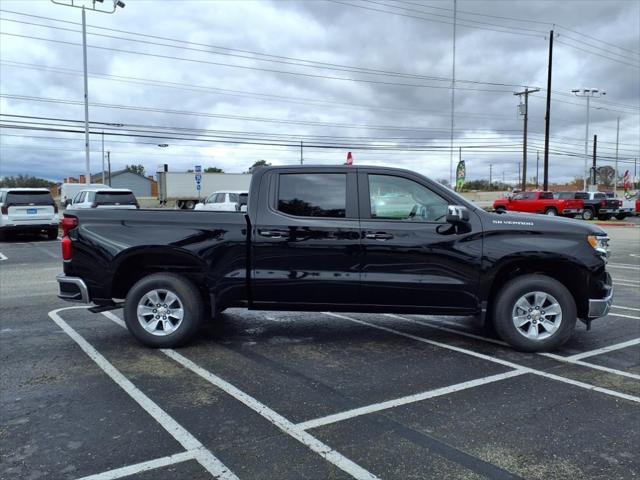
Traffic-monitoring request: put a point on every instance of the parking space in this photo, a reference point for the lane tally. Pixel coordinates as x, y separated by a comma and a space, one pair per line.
311, 395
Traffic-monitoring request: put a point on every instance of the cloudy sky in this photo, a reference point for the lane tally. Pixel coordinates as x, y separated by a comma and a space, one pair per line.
226, 83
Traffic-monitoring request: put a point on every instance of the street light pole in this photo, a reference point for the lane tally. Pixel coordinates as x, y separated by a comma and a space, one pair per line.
71, 3
587, 93
103, 157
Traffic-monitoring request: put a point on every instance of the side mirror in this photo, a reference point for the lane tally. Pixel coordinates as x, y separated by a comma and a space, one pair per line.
457, 214
243, 199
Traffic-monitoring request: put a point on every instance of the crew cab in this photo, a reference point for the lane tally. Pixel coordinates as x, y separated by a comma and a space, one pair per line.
597, 204
25, 210
338, 238
539, 202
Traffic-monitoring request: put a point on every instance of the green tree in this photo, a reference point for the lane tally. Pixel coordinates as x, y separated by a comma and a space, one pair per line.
25, 181
135, 168
259, 163
213, 170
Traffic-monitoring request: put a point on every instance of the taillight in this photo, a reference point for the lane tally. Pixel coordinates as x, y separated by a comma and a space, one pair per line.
603, 203
67, 224
4, 209
94, 205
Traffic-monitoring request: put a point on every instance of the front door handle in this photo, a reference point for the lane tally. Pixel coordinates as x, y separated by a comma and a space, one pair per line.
379, 236
273, 233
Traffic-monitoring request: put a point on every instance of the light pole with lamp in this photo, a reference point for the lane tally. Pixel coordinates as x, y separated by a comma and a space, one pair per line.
587, 93
92, 6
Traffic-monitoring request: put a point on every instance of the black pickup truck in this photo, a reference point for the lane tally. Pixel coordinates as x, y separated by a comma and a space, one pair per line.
596, 204
339, 238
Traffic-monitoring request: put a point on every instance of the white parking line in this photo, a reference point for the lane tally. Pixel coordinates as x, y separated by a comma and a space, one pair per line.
177, 431
142, 467
602, 350
3, 257
418, 397
624, 266
560, 358
288, 427
541, 373
613, 314
626, 308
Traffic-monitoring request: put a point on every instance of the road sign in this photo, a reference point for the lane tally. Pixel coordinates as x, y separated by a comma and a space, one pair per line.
198, 169
198, 177
198, 186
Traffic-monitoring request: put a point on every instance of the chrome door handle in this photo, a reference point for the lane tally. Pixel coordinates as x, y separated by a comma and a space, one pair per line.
379, 236
273, 233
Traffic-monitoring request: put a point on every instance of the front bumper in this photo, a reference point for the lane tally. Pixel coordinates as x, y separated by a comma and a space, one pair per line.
72, 289
599, 307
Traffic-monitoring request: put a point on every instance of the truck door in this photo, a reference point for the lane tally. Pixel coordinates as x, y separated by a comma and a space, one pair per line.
413, 259
306, 241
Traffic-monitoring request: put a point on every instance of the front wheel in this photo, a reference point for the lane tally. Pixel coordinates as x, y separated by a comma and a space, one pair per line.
163, 310
534, 313
551, 212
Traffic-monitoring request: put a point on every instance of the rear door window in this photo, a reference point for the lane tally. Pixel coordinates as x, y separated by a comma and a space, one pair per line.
29, 198
219, 198
113, 198
313, 194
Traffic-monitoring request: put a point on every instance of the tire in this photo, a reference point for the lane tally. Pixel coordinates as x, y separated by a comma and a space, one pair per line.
604, 217
552, 212
621, 216
189, 204
501, 210
587, 214
532, 288
52, 233
182, 329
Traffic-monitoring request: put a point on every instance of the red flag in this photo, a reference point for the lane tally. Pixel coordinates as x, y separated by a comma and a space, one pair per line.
349, 159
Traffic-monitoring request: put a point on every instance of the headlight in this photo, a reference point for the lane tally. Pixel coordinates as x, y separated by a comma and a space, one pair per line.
600, 244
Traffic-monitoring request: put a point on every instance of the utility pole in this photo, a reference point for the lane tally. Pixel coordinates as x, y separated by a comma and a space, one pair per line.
524, 141
453, 93
537, 164
519, 177
109, 165
103, 158
594, 183
115, 4
615, 175
490, 173
301, 160
547, 117
587, 93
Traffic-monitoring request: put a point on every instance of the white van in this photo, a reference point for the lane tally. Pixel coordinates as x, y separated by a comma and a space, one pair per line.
69, 190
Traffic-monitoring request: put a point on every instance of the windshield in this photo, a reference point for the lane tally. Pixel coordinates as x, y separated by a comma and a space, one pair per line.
29, 198
113, 198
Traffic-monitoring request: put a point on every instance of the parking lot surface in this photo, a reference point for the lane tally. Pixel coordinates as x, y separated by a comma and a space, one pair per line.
295, 395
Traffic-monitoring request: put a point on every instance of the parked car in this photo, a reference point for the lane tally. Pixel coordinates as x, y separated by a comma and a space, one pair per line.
627, 206
28, 210
69, 190
223, 201
119, 198
598, 205
539, 202
314, 239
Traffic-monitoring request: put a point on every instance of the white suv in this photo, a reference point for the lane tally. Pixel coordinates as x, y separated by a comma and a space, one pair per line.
28, 210
222, 201
104, 198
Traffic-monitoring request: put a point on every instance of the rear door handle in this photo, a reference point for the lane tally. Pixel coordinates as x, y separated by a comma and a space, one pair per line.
379, 236
273, 233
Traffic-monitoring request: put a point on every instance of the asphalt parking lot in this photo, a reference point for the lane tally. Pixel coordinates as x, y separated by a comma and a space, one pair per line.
272, 395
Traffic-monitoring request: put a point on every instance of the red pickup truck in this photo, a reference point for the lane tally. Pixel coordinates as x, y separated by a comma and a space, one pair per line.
539, 202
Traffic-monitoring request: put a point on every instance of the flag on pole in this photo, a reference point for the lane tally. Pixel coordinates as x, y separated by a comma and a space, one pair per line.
460, 175
349, 159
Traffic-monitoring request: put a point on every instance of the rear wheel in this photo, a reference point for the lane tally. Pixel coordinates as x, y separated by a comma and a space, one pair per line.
189, 204
551, 212
163, 310
621, 216
52, 233
587, 214
534, 313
